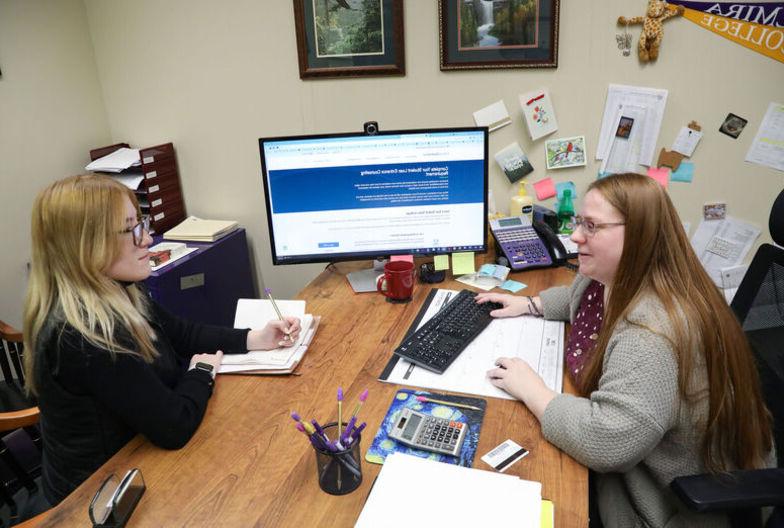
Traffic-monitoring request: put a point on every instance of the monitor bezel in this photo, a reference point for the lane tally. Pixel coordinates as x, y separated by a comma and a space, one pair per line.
366, 255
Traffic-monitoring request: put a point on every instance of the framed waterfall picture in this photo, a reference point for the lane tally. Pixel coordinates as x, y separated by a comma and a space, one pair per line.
349, 38
489, 34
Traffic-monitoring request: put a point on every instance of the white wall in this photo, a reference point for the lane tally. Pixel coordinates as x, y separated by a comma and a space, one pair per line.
213, 77
51, 115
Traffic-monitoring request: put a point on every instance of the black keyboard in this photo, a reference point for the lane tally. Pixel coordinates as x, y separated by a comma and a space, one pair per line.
438, 343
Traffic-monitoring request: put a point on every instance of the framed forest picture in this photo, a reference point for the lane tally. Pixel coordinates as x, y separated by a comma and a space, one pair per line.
349, 38
486, 34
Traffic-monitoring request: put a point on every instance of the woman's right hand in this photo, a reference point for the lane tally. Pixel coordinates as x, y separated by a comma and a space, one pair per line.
512, 305
211, 359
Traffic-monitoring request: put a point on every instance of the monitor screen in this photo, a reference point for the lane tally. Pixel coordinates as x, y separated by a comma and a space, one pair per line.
357, 196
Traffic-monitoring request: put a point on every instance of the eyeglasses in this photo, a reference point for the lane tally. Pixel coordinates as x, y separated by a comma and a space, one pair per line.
138, 231
590, 227
115, 500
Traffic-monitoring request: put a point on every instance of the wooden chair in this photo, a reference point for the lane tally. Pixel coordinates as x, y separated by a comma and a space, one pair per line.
20, 445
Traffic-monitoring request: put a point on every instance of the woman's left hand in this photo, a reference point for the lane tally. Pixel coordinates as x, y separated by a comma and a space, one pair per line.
275, 334
516, 377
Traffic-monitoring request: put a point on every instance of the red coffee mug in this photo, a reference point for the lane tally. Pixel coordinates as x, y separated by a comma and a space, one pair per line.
399, 279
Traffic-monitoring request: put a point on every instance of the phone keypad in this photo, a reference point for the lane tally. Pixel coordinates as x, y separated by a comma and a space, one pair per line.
523, 245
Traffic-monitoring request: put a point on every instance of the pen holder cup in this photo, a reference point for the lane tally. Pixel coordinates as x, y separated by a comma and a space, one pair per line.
339, 472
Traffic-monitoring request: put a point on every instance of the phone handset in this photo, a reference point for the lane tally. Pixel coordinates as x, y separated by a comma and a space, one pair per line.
551, 241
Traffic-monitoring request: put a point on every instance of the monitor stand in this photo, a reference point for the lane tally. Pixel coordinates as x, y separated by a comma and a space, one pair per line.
365, 280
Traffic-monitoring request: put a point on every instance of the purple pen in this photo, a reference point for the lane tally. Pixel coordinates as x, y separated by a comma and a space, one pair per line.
355, 434
349, 426
319, 429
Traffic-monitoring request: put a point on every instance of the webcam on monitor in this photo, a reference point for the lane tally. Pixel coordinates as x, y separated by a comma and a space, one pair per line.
371, 128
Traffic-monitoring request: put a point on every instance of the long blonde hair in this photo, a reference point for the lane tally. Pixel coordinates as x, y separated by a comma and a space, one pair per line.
658, 259
75, 226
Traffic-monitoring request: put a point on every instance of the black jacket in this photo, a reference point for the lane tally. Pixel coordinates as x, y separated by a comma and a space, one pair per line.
92, 404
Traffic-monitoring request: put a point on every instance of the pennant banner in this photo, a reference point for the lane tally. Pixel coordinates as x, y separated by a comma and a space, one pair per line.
767, 14
767, 40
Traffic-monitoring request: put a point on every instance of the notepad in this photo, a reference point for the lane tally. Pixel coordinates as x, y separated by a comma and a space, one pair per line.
255, 314
199, 230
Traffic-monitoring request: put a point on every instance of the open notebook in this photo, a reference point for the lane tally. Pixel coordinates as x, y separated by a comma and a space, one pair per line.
254, 314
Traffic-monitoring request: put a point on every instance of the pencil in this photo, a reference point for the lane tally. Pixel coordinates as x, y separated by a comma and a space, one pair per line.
448, 403
277, 310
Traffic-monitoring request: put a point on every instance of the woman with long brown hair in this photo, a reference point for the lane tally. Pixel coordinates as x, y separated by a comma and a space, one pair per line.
668, 385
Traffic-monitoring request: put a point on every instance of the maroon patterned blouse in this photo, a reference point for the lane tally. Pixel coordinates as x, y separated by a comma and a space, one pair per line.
585, 330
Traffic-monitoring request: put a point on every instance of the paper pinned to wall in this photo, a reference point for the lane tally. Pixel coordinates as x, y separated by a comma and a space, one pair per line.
493, 116
653, 100
686, 141
723, 243
768, 146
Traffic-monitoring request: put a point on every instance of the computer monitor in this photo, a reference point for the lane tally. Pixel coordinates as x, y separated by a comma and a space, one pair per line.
359, 196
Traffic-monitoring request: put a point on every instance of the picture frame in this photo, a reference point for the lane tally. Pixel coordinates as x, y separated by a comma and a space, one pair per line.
733, 125
342, 38
478, 35
562, 153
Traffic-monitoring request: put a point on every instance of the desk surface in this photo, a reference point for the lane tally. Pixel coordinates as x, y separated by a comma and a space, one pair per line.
247, 465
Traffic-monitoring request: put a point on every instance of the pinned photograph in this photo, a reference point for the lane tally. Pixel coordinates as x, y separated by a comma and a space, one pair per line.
565, 152
624, 127
733, 125
714, 211
514, 162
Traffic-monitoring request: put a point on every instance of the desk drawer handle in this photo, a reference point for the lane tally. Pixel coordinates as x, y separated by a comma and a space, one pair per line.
192, 281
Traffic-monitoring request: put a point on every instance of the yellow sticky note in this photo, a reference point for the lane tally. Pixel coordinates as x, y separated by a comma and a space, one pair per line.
441, 262
463, 263
548, 514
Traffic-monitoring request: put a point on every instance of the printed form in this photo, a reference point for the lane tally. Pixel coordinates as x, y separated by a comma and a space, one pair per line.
537, 341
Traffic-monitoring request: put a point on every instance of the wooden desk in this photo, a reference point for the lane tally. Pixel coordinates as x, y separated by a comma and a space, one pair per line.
247, 465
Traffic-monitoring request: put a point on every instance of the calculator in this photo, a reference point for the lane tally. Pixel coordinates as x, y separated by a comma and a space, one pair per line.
422, 431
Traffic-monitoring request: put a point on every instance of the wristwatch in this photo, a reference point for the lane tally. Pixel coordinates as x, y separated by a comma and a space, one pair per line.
206, 367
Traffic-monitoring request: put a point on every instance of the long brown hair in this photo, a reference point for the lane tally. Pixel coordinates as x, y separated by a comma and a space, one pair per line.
75, 226
658, 259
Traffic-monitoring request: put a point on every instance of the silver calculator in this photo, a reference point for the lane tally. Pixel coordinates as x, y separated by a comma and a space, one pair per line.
423, 431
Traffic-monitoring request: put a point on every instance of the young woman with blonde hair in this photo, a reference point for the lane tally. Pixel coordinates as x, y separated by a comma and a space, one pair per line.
667, 379
104, 360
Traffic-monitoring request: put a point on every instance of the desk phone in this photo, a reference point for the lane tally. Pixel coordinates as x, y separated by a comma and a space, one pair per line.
422, 431
520, 243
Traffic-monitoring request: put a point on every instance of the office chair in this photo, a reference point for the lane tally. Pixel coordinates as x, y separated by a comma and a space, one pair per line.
20, 445
759, 306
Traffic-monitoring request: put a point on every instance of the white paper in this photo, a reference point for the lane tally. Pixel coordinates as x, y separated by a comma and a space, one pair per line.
768, 146
723, 243
686, 141
280, 356
131, 181
624, 153
537, 341
653, 100
117, 161
491, 498
255, 313
493, 116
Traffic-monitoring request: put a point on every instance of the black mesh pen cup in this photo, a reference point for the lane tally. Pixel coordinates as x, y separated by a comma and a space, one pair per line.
339, 472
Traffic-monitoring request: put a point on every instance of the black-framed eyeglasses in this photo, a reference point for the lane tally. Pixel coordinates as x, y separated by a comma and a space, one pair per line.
590, 227
138, 230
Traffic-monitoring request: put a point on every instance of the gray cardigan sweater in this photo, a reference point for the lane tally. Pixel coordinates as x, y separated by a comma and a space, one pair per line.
635, 430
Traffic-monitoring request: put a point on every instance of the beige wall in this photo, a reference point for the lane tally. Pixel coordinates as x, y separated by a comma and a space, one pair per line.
51, 114
213, 77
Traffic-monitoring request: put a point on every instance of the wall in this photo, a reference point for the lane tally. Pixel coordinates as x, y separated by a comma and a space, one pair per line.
214, 77
51, 114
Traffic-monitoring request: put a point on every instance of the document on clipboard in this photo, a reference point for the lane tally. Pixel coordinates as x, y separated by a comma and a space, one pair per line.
537, 341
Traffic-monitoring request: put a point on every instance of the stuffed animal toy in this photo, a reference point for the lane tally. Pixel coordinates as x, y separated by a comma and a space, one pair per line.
658, 11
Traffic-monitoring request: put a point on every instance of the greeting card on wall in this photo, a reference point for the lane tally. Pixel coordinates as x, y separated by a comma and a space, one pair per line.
538, 113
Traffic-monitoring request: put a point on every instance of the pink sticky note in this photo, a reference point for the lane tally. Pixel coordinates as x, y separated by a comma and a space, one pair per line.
661, 175
407, 258
544, 189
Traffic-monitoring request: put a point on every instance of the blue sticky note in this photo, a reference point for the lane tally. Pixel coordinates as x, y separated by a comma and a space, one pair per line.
685, 172
513, 286
562, 186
